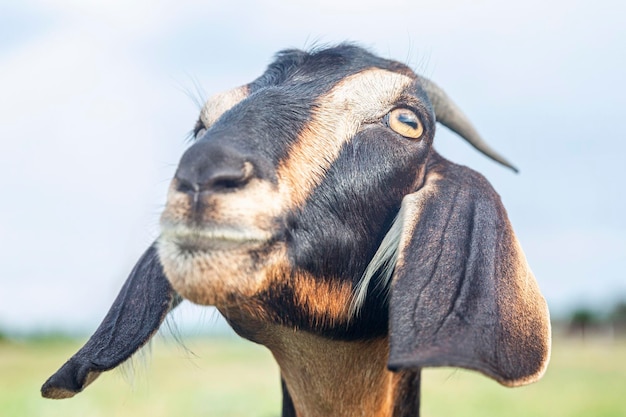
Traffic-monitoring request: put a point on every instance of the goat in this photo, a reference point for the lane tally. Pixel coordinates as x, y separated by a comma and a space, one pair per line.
314, 213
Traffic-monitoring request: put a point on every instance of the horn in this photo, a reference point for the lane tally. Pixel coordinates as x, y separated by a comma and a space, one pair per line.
449, 115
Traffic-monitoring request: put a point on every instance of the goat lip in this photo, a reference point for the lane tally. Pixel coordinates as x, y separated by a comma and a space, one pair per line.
215, 239
214, 245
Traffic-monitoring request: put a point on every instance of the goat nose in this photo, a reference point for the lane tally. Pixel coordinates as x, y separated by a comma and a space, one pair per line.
212, 168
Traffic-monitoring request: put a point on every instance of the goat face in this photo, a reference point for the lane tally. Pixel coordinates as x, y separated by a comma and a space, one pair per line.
285, 197
312, 200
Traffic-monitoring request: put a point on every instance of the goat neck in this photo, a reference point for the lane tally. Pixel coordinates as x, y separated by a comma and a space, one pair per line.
324, 377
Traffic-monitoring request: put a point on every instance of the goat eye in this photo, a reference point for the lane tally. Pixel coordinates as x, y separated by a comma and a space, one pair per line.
404, 122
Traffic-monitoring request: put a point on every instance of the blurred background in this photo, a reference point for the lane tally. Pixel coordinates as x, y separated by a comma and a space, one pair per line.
97, 99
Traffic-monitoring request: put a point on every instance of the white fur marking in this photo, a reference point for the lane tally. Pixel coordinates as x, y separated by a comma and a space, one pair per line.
384, 260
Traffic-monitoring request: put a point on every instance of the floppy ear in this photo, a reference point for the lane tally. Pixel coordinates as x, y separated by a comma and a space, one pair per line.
134, 317
462, 293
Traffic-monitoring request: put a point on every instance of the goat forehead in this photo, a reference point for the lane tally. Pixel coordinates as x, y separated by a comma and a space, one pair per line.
353, 100
367, 94
310, 89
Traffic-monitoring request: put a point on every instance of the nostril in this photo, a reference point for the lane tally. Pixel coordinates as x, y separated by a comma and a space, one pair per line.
227, 178
222, 184
186, 187
216, 178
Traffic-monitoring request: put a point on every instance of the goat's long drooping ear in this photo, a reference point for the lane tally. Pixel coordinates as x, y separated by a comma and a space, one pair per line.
462, 293
136, 314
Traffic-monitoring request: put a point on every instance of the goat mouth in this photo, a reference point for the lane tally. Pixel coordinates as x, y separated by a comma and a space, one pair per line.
193, 240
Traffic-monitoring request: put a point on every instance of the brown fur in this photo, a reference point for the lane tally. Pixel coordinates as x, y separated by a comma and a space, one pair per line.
324, 300
336, 378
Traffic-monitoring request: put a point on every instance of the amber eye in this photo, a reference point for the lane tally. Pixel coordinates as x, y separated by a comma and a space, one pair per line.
405, 122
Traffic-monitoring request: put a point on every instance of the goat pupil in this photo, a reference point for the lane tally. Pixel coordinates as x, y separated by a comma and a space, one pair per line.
408, 120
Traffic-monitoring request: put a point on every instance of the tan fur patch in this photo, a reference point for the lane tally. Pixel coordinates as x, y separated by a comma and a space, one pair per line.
59, 393
335, 378
324, 300
220, 103
361, 98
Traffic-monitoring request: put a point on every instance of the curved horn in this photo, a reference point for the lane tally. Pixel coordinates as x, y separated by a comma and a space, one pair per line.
449, 115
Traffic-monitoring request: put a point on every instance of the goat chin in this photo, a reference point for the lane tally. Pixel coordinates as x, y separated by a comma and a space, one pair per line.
206, 268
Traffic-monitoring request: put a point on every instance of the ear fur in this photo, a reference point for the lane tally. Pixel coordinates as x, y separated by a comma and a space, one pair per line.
462, 293
134, 317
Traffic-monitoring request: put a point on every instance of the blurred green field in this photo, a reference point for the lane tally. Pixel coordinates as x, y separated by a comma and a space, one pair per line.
231, 377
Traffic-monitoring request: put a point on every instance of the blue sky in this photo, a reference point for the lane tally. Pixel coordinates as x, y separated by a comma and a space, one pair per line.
96, 99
